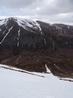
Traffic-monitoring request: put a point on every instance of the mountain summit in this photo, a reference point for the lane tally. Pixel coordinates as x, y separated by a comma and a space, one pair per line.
15, 32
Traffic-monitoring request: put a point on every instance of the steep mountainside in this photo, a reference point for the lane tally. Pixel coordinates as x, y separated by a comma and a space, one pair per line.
36, 46
57, 35
27, 34
20, 33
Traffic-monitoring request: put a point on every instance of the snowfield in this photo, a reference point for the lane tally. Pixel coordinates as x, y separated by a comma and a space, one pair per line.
15, 84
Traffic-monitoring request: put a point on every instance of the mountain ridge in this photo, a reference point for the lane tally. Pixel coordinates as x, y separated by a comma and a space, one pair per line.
33, 45
41, 30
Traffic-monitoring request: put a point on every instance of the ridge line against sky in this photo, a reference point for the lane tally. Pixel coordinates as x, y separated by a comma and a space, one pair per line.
60, 11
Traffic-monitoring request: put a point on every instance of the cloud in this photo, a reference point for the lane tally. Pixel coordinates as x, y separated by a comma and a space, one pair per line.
15, 3
51, 10
57, 7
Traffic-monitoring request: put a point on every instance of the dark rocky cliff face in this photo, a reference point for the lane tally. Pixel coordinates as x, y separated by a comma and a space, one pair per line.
57, 35
34, 45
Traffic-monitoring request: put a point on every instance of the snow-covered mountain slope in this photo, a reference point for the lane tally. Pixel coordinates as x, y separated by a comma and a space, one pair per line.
15, 84
27, 24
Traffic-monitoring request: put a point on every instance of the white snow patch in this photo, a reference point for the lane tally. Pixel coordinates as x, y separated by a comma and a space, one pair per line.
47, 69
3, 21
29, 25
22, 85
58, 27
68, 27
18, 37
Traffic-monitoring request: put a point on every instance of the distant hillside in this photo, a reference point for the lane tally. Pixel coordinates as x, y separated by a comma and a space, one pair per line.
36, 46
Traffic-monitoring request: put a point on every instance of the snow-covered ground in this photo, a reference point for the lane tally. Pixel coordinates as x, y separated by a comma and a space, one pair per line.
15, 84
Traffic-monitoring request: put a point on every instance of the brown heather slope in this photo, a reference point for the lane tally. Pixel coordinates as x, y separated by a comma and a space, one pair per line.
60, 63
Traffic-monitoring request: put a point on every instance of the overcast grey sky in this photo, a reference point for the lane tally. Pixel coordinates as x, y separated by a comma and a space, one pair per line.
47, 10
